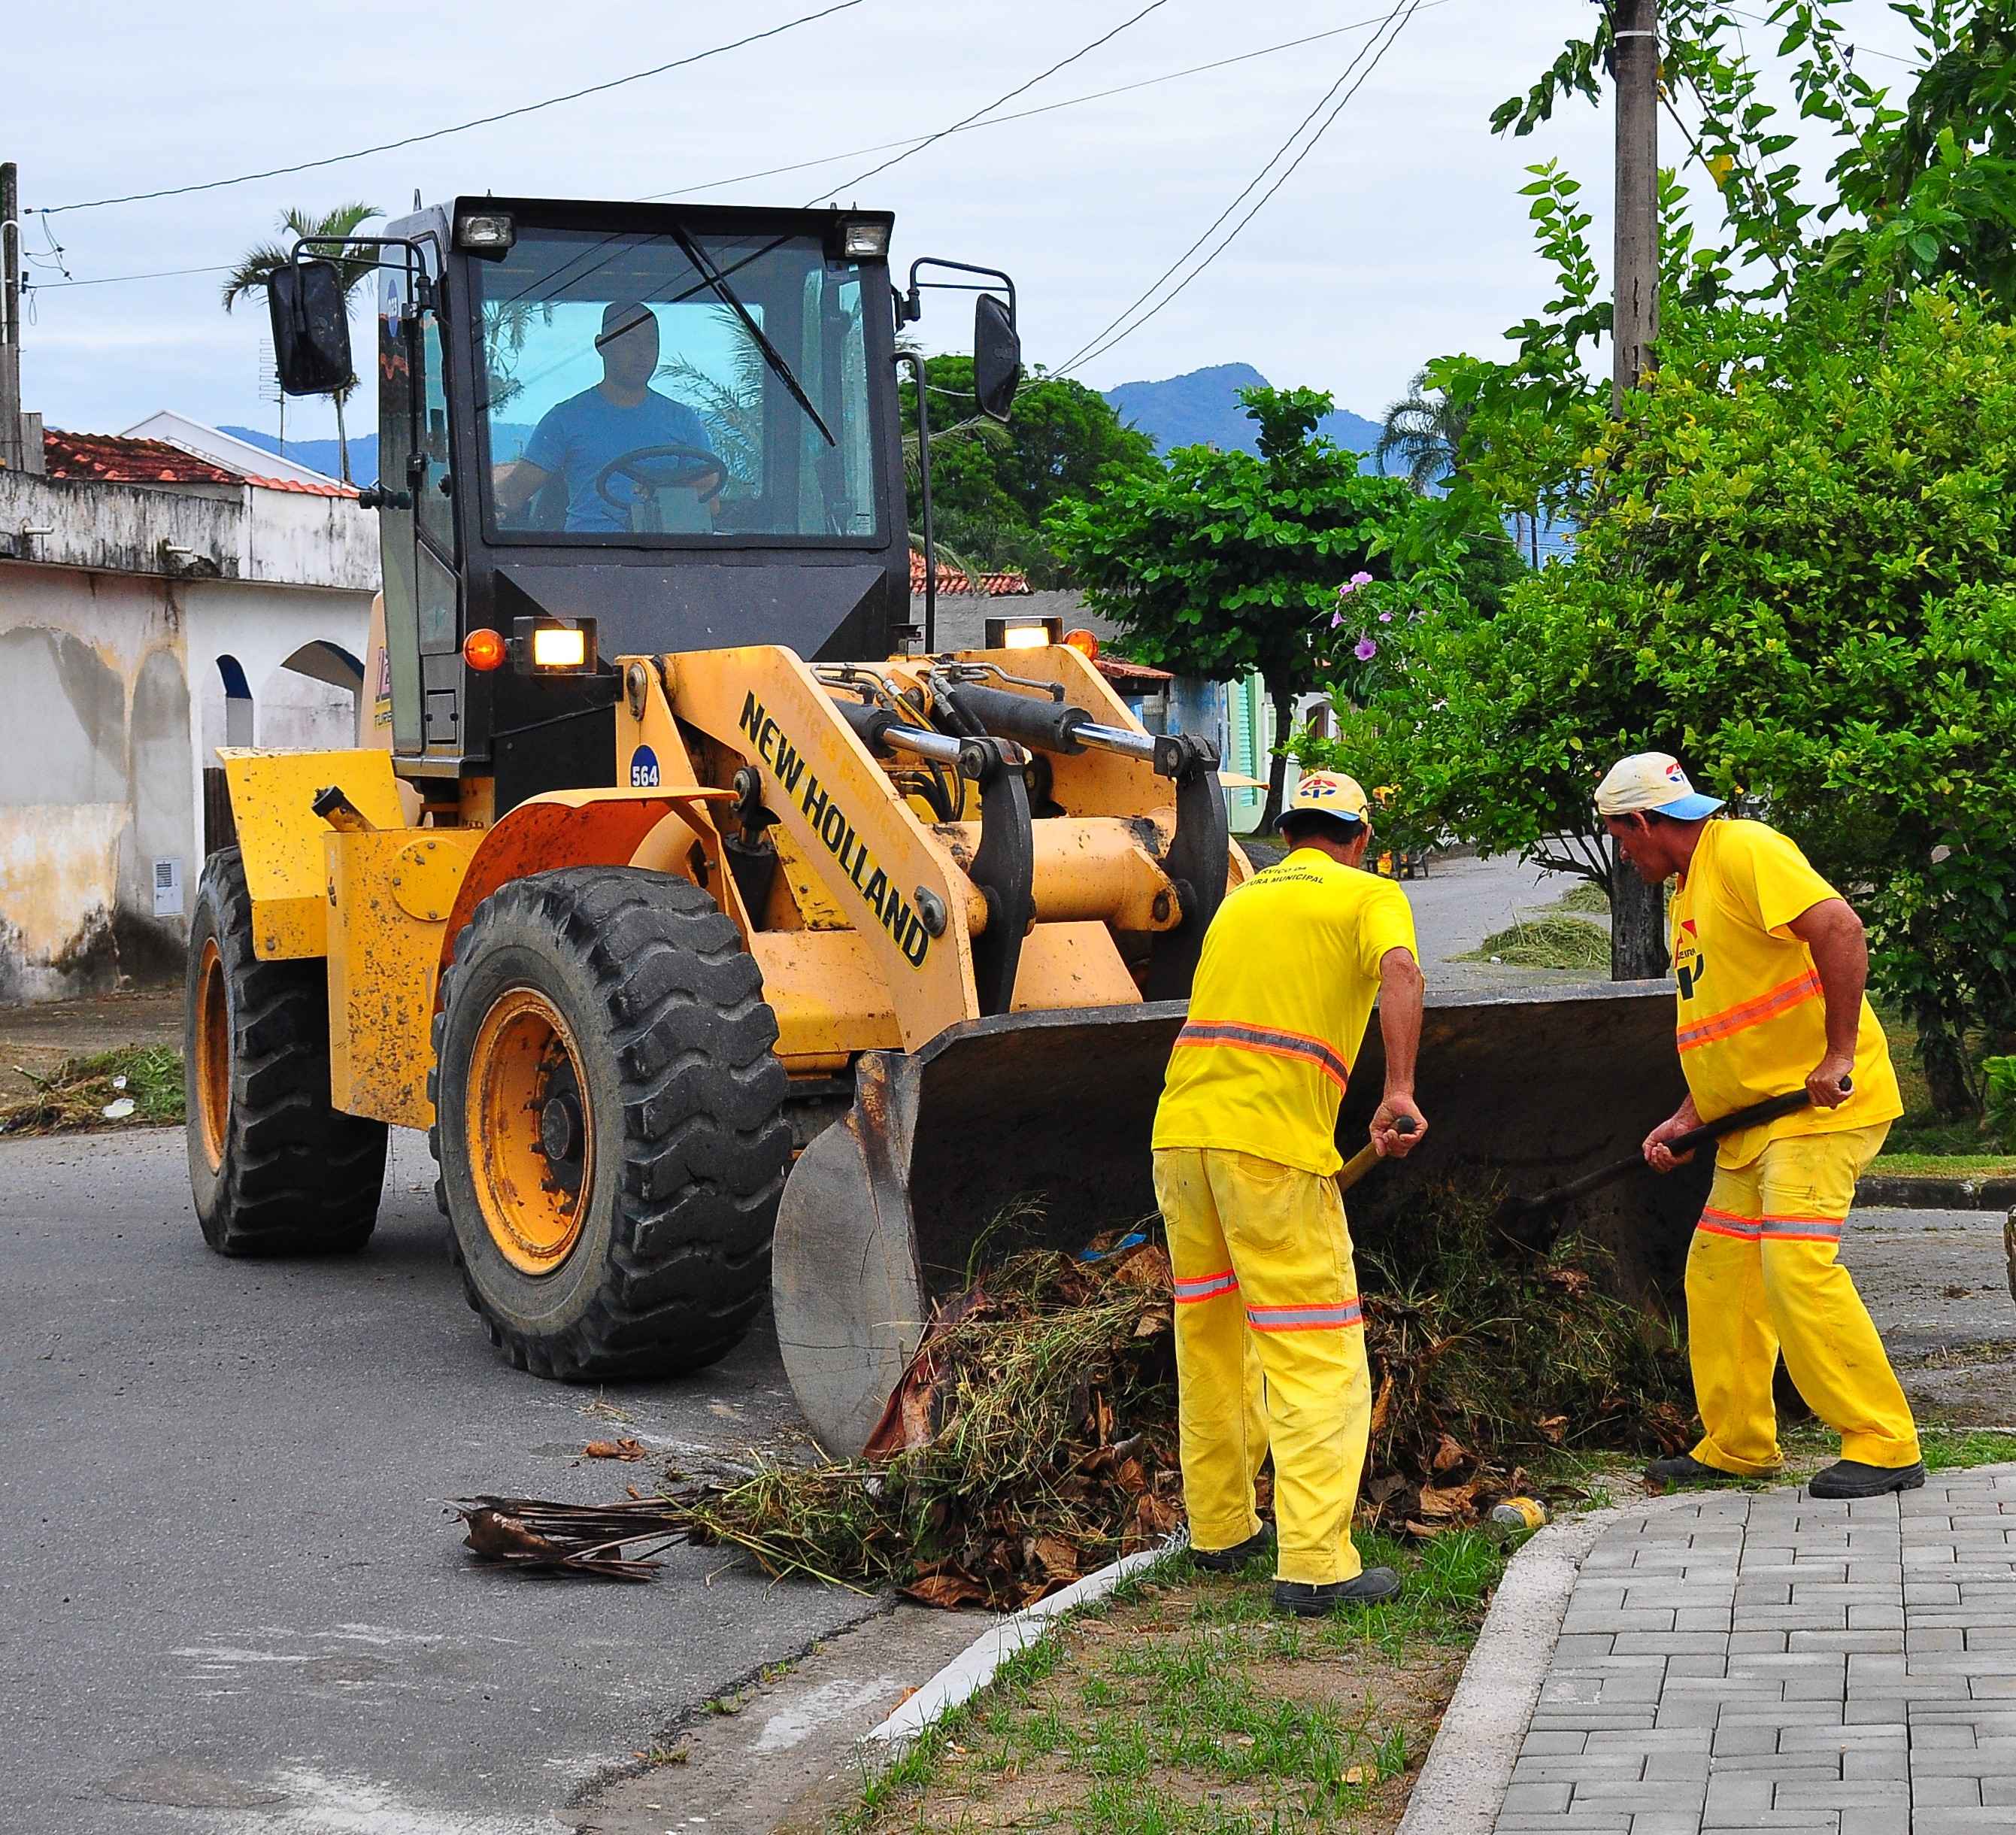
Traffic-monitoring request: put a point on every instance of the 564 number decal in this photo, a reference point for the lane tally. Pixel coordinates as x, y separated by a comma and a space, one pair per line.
643, 768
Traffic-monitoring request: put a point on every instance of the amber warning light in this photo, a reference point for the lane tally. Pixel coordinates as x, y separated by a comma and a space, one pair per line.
484, 650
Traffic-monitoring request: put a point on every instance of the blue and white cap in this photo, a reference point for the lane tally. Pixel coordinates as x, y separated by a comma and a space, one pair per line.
1652, 781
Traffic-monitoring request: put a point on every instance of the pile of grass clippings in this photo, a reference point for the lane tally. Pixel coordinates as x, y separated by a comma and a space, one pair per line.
1034, 1438
1548, 940
135, 1085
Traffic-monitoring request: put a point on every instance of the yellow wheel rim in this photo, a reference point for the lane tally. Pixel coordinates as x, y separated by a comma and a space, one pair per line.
530, 1134
213, 1052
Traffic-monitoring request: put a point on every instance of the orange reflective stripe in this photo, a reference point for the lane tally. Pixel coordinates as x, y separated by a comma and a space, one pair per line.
1746, 1013
1270, 1040
1726, 1222
1305, 1318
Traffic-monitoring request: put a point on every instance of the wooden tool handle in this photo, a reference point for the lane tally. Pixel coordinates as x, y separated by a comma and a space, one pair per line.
1768, 1110
1368, 1156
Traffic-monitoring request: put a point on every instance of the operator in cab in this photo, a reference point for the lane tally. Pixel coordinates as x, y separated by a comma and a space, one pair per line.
622, 415
1270, 1338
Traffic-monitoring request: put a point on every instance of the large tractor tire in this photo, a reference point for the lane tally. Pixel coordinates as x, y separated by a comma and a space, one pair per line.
609, 1124
274, 1169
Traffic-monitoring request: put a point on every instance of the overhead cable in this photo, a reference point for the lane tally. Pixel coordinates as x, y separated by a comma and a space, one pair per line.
1024, 114
1396, 22
462, 127
967, 120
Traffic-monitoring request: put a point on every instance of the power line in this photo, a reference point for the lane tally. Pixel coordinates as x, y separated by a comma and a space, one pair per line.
463, 127
967, 120
1104, 341
918, 140
115, 279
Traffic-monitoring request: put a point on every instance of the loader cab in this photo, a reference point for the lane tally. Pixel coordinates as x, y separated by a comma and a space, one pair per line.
682, 423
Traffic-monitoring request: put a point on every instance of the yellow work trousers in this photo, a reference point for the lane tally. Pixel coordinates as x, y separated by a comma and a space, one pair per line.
1270, 1352
1762, 1276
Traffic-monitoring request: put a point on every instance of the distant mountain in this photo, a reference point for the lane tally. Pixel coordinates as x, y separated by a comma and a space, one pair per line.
1202, 409
322, 456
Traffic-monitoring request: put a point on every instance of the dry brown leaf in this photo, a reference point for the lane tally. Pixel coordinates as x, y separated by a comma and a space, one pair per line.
1146, 1266
946, 1587
615, 1449
1553, 1426
1570, 1279
1380, 1404
1058, 1558
1423, 1531
1446, 1500
1449, 1453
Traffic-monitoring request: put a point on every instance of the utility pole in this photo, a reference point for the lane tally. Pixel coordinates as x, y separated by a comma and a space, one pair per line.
10, 455
1637, 911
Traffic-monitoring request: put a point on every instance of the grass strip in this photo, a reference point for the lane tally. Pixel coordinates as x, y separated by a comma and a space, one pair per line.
74, 1096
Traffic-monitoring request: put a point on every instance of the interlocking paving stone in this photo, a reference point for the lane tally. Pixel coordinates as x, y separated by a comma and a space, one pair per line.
1753, 1661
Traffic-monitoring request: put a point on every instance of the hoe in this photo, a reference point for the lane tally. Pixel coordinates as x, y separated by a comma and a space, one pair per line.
731, 939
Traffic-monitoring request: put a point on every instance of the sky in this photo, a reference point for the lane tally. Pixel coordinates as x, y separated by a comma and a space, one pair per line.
1399, 237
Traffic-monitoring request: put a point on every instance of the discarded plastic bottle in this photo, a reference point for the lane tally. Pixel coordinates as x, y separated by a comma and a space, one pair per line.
1517, 1514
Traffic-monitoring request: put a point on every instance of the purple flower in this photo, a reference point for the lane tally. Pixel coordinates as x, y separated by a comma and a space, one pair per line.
1336, 618
1365, 650
1346, 591
1385, 617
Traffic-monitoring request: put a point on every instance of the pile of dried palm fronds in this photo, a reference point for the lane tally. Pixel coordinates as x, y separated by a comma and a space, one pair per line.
1034, 1437
546, 1537
138, 1084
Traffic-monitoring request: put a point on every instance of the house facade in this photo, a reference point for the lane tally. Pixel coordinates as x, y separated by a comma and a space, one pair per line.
154, 605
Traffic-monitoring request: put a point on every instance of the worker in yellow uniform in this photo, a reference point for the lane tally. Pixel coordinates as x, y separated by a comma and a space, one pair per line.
1771, 962
1270, 1344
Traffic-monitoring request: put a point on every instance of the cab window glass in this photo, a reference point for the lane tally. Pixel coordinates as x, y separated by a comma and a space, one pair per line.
633, 395
430, 504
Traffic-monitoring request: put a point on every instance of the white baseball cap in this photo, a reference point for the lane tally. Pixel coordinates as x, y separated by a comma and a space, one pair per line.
1652, 781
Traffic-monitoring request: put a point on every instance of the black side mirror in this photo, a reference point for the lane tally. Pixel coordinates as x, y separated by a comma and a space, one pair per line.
997, 357
311, 328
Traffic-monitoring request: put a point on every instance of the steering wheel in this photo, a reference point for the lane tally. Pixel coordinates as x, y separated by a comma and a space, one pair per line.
625, 465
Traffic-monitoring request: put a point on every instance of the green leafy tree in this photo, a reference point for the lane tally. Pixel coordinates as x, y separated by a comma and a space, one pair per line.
355, 264
1224, 562
1804, 581
992, 485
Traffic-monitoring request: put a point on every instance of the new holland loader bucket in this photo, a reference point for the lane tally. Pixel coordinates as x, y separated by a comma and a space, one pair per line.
883, 1214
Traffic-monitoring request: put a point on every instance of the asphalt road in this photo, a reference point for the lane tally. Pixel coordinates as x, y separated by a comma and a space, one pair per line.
230, 1599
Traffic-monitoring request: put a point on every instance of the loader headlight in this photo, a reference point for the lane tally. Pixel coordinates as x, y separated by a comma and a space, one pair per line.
865, 241
485, 233
1024, 633
547, 647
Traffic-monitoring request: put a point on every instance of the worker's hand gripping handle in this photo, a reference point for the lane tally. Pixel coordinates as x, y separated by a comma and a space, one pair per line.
1368, 1156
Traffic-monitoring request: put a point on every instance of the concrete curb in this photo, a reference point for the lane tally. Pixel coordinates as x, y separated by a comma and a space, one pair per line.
1935, 1191
1470, 1765
974, 1667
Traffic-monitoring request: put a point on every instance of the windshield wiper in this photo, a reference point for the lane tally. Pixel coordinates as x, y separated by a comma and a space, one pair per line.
715, 279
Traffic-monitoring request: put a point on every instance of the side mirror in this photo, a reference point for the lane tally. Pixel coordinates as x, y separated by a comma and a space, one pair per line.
997, 357
311, 328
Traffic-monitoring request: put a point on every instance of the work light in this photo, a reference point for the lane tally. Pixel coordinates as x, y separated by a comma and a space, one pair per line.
553, 646
486, 232
1024, 633
865, 241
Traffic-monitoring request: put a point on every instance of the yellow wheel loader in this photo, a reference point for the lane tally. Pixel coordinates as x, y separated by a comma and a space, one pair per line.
732, 939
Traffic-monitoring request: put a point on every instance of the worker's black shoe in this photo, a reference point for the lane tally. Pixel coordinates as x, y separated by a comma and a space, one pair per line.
1850, 1478
1685, 1468
1230, 1560
1374, 1584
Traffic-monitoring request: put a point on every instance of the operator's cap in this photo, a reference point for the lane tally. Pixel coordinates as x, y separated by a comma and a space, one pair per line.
1327, 793
1653, 781
622, 316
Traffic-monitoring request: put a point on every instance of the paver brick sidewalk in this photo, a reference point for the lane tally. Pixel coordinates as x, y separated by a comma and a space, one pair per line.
1766, 1661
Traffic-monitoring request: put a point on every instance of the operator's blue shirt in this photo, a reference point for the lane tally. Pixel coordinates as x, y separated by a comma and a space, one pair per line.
581, 435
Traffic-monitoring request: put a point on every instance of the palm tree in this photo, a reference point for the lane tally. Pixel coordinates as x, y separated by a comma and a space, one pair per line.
1425, 433
355, 263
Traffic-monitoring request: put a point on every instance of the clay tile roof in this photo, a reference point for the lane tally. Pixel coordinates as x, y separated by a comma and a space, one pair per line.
993, 586
1132, 675
115, 459
302, 486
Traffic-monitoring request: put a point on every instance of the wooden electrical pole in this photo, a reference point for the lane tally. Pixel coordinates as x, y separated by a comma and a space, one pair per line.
1637, 911
11, 456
